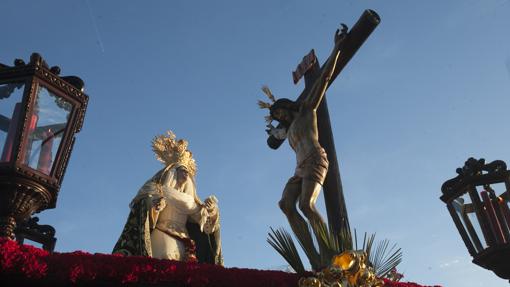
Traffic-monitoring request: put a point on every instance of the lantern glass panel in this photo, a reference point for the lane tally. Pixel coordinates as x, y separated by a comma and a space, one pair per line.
11, 96
467, 215
46, 128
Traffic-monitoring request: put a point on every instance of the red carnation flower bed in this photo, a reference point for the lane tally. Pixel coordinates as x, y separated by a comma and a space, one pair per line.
24, 265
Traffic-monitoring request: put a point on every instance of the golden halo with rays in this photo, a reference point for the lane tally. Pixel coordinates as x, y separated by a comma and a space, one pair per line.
171, 151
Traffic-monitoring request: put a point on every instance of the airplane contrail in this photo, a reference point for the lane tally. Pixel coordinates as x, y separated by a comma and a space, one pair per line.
93, 20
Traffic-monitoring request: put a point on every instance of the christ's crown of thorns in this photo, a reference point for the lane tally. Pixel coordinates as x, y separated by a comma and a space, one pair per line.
266, 105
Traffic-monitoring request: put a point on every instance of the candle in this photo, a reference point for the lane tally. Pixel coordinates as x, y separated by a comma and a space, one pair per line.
499, 215
491, 213
32, 124
45, 156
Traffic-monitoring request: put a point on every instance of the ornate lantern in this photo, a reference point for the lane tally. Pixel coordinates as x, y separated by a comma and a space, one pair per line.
478, 203
40, 113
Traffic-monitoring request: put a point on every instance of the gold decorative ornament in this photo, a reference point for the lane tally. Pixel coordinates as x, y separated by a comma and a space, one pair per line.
344, 261
309, 282
174, 152
348, 269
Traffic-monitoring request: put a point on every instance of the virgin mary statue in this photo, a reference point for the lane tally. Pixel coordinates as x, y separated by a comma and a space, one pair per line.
167, 219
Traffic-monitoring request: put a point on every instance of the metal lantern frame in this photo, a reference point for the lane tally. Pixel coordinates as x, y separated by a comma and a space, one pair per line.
25, 189
486, 233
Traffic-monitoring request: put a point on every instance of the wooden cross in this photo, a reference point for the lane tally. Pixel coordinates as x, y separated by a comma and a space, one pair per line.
338, 219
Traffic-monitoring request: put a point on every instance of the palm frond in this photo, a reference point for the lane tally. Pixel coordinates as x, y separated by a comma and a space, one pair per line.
313, 257
356, 239
381, 258
384, 259
282, 242
333, 244
368, 243
328, 241
344, 238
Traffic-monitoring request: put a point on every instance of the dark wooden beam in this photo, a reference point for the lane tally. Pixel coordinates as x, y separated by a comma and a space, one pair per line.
336, 209
358, 34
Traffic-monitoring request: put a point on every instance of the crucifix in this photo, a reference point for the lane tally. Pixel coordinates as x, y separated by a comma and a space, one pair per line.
315, 161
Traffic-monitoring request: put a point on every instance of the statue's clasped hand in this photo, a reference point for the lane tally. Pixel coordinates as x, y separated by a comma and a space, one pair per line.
211, 204
159, 203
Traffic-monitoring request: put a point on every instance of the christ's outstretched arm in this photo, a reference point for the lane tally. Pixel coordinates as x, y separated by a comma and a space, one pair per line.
314, 98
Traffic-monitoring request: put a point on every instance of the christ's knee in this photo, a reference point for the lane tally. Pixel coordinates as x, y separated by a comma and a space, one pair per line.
288, 207
308, 209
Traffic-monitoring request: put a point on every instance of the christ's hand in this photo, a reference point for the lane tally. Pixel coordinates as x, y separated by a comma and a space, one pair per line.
340, 35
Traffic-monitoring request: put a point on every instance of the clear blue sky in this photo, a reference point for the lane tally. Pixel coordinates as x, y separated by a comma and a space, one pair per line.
430, 88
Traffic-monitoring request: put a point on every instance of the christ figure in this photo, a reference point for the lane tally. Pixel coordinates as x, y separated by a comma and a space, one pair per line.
299, 119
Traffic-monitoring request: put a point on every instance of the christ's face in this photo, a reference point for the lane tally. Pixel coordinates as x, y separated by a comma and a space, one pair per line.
282, 115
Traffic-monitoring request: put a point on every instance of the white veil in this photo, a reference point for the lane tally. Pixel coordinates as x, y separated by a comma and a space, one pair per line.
166, 178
